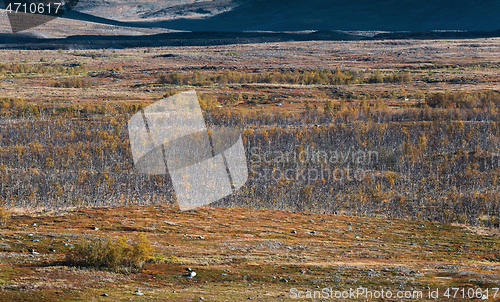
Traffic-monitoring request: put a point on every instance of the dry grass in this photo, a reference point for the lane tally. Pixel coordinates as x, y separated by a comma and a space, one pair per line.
435, 66
240, 253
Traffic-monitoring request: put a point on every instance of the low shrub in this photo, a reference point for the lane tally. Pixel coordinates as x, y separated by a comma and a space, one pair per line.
4, 216
159, 258
108, 254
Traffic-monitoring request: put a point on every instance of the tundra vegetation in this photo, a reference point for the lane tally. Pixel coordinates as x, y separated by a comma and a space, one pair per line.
400, 138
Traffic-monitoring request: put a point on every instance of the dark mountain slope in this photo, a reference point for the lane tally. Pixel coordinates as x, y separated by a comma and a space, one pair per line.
390, 15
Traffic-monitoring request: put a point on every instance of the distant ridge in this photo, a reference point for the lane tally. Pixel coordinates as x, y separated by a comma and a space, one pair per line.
294, 15
368, 15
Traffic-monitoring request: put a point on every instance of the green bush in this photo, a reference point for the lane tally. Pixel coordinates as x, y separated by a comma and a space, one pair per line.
170, 92
108, 254
159, 258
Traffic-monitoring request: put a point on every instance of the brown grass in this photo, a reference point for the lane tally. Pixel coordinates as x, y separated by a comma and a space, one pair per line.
241, 250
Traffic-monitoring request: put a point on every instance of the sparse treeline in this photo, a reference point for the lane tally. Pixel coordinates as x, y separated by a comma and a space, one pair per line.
21, 108
304, 77
466, 106
482, 107
439, 170
59, 163
488, 99
72, 83
26, 68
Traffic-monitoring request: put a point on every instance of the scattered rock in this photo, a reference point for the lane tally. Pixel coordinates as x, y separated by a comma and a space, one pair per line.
104, 295
138, 293
94, 228
294, 232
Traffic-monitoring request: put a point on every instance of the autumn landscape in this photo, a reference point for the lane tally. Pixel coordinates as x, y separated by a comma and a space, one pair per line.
373, 157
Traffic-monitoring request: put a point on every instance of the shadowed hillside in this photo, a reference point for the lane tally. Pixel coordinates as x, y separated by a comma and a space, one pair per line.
391, 15
281, 15
294, 15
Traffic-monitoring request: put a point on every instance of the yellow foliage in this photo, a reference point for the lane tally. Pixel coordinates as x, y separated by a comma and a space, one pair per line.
4, 216
106, 253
